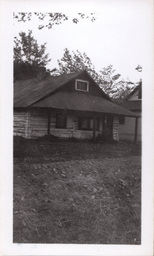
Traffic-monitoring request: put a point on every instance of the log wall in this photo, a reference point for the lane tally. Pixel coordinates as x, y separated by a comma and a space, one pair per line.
38, 123
30, 124
21, 123
34, 123
72, 130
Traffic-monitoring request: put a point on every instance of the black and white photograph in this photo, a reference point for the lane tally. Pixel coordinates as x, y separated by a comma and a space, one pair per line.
79, 168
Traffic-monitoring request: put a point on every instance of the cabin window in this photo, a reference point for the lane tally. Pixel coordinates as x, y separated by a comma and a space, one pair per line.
81, 85
87, 124
121, 120
61, 121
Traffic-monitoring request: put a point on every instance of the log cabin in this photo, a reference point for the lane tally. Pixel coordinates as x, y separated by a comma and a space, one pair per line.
66, 106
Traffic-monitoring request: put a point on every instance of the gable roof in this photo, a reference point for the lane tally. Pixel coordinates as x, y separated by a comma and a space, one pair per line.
46, 94
137, 88
27, 92
82, 102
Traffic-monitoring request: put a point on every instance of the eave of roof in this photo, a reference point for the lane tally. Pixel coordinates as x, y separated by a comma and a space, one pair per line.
137, 88
82, 102
133, 105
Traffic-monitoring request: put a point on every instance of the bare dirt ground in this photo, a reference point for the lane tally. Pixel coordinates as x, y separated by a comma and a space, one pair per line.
77, 192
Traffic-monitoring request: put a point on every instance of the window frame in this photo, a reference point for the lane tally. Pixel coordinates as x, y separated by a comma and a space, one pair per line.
82, 81
88, 119
121, 120
81, 119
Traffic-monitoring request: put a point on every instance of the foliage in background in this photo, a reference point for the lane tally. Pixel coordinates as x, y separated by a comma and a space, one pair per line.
75, 62
30, 59
110, 82
115, 86
28, 56
52, 19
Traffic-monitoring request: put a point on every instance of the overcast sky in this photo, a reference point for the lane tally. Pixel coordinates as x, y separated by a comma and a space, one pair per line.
119, 36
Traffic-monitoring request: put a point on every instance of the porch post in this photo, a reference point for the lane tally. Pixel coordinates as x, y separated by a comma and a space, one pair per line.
49, 117
136, 128
94, 128
103, 124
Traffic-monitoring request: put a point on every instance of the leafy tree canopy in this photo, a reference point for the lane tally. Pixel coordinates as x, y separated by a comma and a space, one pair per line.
28, 56
76, 61
108, 79
115, 86
52, 19
30, 60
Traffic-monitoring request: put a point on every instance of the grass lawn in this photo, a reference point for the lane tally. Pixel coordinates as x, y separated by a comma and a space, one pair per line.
73, 192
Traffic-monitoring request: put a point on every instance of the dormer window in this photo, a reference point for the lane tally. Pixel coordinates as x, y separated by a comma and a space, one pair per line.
81, 85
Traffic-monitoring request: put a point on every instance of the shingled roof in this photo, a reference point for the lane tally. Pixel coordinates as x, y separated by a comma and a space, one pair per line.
46, 94
82, 102
133, 105
27, 92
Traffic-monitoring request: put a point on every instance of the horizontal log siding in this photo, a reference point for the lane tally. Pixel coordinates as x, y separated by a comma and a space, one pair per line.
38, 125
21, 123
72, 128
34, 123
62, 133
52, 121
80, 134
76, 123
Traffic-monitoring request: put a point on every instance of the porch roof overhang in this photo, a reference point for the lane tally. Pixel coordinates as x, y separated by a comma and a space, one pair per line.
133, 105
82, 102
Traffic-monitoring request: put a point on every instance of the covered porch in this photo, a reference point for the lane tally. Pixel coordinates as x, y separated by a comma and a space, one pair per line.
82, 125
